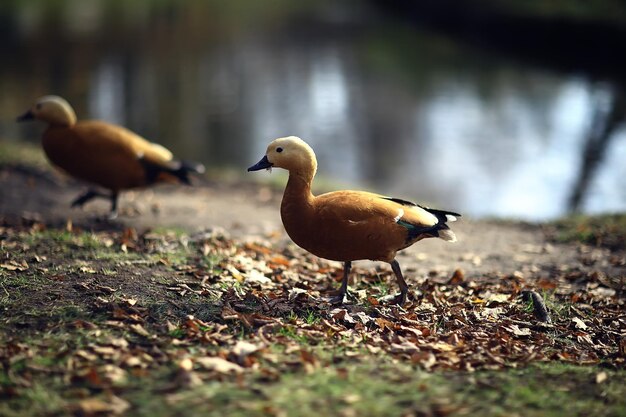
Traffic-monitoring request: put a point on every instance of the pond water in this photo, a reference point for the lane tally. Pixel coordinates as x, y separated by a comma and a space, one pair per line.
386, 106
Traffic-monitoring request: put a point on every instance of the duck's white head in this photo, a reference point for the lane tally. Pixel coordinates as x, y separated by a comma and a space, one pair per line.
54, 110
290, 153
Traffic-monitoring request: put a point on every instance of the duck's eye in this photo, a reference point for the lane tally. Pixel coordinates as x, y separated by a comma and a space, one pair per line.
279, 150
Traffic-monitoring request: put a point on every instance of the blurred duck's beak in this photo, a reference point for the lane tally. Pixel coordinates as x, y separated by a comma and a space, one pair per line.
29, 115
264, 163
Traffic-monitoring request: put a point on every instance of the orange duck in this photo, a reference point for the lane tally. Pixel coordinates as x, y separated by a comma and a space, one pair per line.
103, 154
348, 225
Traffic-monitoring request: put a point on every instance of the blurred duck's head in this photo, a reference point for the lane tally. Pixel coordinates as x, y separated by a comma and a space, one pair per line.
51, 109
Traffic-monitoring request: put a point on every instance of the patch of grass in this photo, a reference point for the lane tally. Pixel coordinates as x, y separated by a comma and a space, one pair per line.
37, 400
312, 317
383, 288
552, 389
109, 272
177, 232
291, 333
177, 257
375, 387
555, 306
72, 245
22, 153
178, 333
601, 230
211, 263
63, 237
65, 313
309, 316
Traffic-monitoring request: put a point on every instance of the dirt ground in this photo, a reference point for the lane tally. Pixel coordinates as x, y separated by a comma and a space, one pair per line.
248, 209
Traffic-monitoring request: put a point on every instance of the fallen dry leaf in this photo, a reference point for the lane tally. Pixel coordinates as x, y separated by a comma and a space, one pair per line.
579, 323
517, 331
109, 404
243, 349
219, 365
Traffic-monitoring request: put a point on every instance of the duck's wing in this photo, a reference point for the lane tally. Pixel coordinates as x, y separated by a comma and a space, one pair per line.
111, 139
420, 220
359, 206
352, 208
157, 157
442, 215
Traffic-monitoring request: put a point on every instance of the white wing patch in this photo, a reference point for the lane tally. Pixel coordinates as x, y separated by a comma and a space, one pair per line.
162, 150
399, 216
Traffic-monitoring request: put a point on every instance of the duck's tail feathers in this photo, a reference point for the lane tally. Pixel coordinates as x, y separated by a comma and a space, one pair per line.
178, 169
447, 235
451, 217
442, 215
186, 167
442, 229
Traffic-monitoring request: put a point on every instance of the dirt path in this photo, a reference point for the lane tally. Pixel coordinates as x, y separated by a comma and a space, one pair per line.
246, 209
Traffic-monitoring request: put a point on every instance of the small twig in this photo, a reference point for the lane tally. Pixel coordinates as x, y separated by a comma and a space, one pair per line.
534, 326
539, 306
263, 329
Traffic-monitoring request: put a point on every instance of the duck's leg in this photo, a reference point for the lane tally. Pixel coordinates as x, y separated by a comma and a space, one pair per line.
400, 299
341, 297
113, 197
87, 196
91, 194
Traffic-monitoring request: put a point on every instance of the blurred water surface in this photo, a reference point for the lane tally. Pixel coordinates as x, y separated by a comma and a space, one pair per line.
386, 106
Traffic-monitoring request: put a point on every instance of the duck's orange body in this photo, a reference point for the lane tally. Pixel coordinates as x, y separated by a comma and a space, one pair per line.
348, 225
103, 154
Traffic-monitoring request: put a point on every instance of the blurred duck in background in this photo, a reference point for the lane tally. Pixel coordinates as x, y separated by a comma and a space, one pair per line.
348, 225
104, 154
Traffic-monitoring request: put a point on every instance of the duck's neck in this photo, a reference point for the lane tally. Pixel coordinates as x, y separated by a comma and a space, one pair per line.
298, 188
297, 202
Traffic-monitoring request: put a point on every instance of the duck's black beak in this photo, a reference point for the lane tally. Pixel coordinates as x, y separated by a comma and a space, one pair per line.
29, 115
264, 163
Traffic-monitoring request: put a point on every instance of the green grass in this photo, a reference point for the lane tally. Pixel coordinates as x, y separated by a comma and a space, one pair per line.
22, 153
291, 333
73, 244
601, 230
38, 400
368, 388
555, 307
385, 389
312, 317
211, 263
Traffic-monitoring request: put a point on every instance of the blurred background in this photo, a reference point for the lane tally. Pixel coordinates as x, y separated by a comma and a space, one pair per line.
489, 108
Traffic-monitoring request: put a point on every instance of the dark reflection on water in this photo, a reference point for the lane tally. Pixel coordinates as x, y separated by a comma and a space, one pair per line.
385, 106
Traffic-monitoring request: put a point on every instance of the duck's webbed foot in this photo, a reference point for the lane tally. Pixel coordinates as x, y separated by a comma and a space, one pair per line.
339, 298
394, 299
